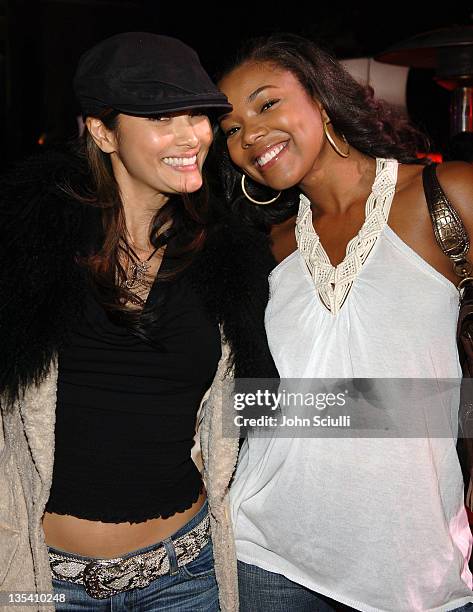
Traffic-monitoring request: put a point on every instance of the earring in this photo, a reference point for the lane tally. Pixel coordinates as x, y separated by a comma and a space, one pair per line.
243, 188
333, 143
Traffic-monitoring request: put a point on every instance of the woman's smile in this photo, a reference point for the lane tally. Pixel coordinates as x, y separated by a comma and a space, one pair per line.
271, 156
184, 163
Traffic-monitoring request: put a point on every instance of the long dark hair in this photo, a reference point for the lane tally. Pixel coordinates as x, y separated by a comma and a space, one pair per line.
181, 225
368, 124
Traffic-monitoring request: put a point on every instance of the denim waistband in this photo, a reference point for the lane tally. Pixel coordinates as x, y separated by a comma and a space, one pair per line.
193, 522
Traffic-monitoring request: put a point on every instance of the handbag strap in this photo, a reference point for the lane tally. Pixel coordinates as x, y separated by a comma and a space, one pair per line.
450, 233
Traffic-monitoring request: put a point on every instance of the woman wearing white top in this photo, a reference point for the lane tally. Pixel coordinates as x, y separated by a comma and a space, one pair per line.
361, 290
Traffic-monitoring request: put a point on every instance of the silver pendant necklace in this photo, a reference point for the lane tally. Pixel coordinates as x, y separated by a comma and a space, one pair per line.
138, 270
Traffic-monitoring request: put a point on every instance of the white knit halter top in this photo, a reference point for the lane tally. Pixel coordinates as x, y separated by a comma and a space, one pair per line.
375, 523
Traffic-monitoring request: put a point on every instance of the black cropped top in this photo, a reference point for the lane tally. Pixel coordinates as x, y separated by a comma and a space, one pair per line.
126, 410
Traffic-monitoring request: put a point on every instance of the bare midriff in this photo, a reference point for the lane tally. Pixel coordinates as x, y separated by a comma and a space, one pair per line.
108, 540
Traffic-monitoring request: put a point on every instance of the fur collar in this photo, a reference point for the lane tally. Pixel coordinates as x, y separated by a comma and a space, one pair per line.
42, 289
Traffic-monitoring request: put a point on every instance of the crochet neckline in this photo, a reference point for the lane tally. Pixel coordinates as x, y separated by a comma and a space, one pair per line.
333, 283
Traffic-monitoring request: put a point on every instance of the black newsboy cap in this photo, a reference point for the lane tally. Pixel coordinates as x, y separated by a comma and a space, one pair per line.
140, 73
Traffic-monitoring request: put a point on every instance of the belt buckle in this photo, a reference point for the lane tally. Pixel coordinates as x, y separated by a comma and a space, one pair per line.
98, 576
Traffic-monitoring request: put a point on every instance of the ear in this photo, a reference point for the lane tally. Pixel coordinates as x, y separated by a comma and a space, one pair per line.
323, 112
104, 138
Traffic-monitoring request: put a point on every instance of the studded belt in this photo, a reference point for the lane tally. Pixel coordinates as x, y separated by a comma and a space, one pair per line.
106, 577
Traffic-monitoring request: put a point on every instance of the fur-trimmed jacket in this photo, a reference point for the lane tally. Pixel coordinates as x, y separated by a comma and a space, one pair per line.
42, 229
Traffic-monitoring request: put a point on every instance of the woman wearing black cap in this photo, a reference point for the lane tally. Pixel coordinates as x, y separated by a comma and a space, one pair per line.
123, 302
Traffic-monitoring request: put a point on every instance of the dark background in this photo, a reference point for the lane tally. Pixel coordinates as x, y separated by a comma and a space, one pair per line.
41, 41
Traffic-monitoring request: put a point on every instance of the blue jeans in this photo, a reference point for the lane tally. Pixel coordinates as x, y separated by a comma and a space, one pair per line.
263, 591
190, 588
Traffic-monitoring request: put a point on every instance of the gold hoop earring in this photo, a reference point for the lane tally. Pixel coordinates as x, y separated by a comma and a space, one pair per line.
243, 188
333, 143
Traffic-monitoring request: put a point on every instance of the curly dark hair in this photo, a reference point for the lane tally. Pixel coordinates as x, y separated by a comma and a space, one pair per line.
369, 125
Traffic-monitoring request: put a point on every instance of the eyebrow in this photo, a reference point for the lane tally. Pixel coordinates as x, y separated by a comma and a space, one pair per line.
251, 97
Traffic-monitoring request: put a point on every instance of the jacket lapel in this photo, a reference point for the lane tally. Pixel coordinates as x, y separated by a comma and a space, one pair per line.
219, 452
